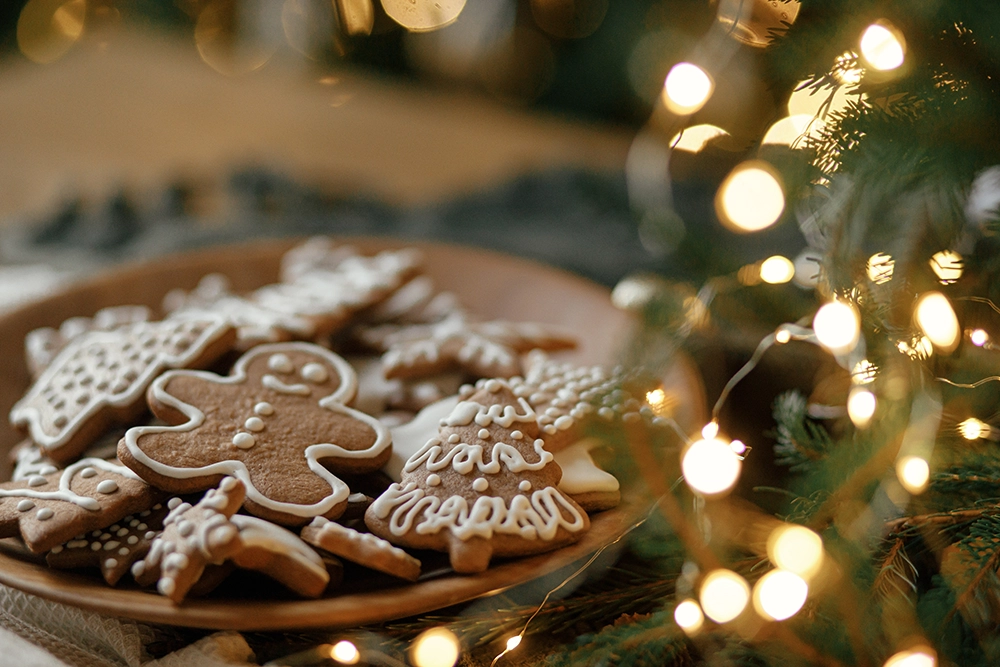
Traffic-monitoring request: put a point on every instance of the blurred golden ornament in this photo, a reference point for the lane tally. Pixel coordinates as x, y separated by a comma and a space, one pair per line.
756, 22
423, 15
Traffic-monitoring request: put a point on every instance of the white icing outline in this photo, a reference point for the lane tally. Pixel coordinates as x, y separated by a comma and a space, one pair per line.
580, 473
274, 384
409, 438
23, 412
313, 453
64, 493
262, 534
464, 457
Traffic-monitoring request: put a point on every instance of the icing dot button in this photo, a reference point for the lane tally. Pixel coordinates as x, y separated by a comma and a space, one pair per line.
44, 514
480, 484
107, 486
244, 440
516, 435
37, 480
255, 424
264, 409
25, 505
524, 486
433, 479
454, 438
280, 363
483, 434
315, 373
87, 473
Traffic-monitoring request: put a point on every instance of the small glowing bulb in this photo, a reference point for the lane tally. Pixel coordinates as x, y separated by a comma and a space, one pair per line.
880, 268
791, 130
710, 430
777, 270
437, 647
724, 595
779, 594
686, 88
882, 46
345, 653
974, 429
948, 266
937, 320
979, 337
693, 139
710, 467
689, 617
864, 372
656, 397
861, 406
513, 642
921, 656
739, 447
913, 473
837, 326
796, 549
751, 198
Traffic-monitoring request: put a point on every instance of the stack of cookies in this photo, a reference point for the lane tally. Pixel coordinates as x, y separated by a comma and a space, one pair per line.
228, 434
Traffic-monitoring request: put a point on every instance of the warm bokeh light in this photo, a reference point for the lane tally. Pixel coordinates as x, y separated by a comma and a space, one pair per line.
796, 549
686, 88
710, 430
777, 270
979, 337
345, 652
689, 617
882, 46
756, 23
693, 139
437, 647
947, 266
423, 15
837, 326
46, 30
232, 47
974, 429
864, 372
739, 447
782, 336
920, 656
913, 473
880, 268
779, 594
936, 318
710, 466
861, 406
724, 595
513, 642
809, 102
791, 130
751, 198
921, 348
656, 397
844, 72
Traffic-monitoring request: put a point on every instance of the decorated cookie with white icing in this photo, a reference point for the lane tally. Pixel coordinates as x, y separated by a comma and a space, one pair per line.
592, 488
361, 548
480, 349
281, 555
193, 537
483, 486
100, 378
409, 438
278, 423
30, 460
115, 548
47, 510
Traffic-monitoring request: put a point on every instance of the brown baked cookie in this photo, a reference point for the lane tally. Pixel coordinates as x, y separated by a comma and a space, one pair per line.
47, 510
29, 460
193, 537
362, 548
278, 423
485, 486
281, 555
100, 378
113, 549
481, 349
582, 480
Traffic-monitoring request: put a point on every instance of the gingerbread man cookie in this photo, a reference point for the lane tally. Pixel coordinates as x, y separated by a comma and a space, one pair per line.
278, 423
100, 378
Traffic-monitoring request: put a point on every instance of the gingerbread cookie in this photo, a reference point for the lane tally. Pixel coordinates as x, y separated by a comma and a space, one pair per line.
30, 460
409, 438
47, 510
362, 548
484, 486
590, 487
318, 253
113, 549
280, 554
100, 378
376, 395
278, 423
481, 349
193, 537
42, 345
416, 302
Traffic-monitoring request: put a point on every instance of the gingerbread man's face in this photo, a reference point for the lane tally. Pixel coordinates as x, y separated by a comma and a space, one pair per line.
270, 423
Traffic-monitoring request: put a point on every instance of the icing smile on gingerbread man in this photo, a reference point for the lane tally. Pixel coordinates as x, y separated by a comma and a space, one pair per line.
278, 423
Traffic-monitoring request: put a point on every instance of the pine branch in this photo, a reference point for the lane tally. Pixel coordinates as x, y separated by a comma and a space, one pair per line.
800, 441
897, 574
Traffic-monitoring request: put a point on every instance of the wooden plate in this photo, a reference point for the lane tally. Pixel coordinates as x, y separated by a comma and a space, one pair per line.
490, 284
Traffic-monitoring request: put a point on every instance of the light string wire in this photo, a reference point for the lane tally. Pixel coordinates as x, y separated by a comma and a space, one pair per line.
985, 380
565, 582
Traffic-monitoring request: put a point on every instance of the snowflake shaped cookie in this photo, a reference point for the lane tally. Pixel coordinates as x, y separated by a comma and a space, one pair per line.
278, 423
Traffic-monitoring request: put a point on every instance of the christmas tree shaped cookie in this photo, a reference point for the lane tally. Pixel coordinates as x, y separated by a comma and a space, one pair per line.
485, 486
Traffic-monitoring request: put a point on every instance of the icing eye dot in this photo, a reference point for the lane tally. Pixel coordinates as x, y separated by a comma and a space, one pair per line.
483, 434
44, 514
25, 505
433, 479
516, 435
480, 484
525, 485
264, 409
315, 373
107, 486
280, 363
255, 424
244, 440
